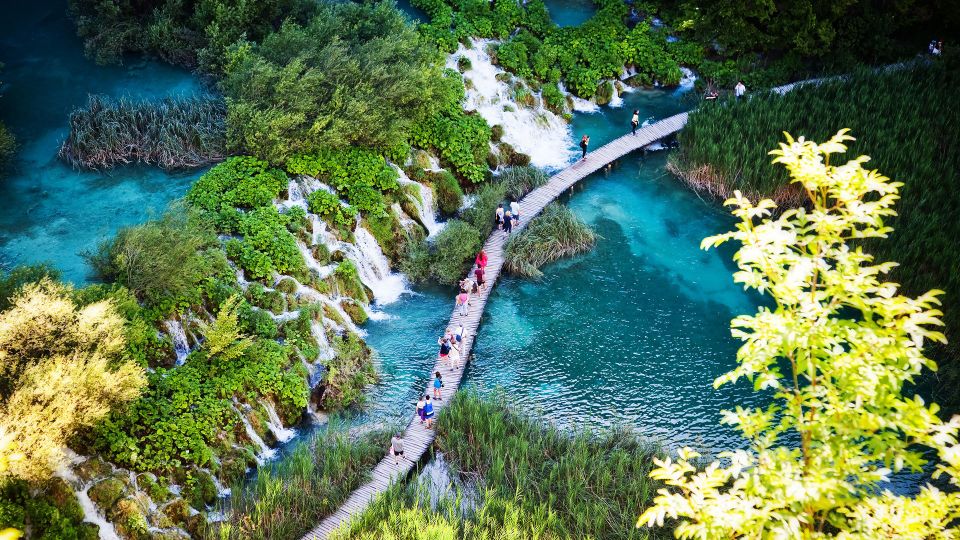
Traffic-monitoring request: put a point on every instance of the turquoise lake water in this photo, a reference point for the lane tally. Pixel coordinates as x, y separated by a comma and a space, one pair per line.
51, 212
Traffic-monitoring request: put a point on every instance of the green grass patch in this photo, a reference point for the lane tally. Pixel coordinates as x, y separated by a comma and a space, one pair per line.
554, 234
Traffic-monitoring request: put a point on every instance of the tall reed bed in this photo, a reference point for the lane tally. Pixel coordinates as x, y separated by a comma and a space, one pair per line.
172, 133
537, 481
905, 119
289, 498
554, 234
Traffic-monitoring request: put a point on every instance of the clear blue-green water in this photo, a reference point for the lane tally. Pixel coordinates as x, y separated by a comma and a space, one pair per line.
570, 12
50, 212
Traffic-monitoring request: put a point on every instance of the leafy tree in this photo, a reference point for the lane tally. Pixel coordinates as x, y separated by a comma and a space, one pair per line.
158, 260
356, 74
61, 369
840, 424
224, 338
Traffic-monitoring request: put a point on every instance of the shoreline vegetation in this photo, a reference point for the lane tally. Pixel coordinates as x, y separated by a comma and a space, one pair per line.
172, 133
518, 476
555, 234
905, 119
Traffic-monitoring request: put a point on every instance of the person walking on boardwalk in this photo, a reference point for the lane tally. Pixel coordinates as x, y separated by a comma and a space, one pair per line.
478, 276
396, 448
508, 223
584, 143
498, 220
635, 121
481, 259
463, 300
437, 385
739, 90
420, 403
428, 412
444, 343
454, 355
515, 210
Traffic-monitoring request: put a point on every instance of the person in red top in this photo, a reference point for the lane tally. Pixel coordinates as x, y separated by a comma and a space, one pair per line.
478, 275
481, 260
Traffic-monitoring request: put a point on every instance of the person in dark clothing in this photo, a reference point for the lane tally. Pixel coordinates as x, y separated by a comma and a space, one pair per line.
584, 143
635, 121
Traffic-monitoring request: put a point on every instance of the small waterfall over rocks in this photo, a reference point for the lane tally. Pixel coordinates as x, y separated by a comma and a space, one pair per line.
538, 132
90, 512
281, 433
373, 267
425, 205
265, 452
179, 337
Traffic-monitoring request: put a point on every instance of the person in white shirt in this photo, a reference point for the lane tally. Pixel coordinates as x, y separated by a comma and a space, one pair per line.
739, 90
515, 210
635, 121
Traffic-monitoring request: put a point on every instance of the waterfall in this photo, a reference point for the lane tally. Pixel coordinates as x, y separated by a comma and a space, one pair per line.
320, 334
265, 451
425, 205
312, 263
180, 346
373, 267
90, 512
538, 132
282, 434
222, 491
686, 82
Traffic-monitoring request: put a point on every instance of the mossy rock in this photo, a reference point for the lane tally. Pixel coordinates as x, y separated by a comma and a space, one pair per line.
196, 525
508, 108
619, 87
235, 465
449, 194
332, 314
275, 302
321, 253
604, 93
64, 498
107, 492
337, 256
168, 535
178, 511
421, 160
511, 157
94, 467
128, 516
348, 282
202, 492
287, 286
503, 77
496, 133
640, 81
356, 312
464, 64
493, 161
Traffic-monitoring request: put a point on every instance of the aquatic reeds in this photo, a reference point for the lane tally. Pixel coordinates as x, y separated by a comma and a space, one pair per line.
556, 233
535, 481
290, 497
905, 119
172, 133
522, 180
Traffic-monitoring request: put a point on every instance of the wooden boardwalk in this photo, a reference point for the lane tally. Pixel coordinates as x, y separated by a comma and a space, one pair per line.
416, 438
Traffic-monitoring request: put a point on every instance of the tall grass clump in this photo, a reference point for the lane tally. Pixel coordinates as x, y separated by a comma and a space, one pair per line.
291, 497
172, 133
536, 481
906, 119
554, 234
522, 180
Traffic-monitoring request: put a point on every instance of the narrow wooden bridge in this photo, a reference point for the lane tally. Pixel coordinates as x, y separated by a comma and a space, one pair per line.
417, 439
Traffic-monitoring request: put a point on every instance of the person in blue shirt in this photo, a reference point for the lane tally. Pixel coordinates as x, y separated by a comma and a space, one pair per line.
428, 412
437, 385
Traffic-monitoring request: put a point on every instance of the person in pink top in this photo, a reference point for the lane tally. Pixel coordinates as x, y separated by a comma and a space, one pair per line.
482, 259
463, 300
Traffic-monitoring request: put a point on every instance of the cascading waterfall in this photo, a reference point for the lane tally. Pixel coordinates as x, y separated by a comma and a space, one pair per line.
686, 81
538, 132
265, 452
425, 205
373, 267
179, 337
90, 512
282, 434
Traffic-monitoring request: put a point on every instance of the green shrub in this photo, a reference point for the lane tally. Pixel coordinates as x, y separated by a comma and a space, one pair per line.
452, 251
239, 182
348, 374
481, 214
449, 194
327, 206
13, 280
522, 180
348, 282
48, 511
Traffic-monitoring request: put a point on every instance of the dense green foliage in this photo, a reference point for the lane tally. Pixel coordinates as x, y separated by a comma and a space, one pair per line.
579, 56
361, 177
190, 34
348, 374
50, 512
291, 497
539, 482
556, 233
354, 75
182, 417
173, 133
161, 261
905, 118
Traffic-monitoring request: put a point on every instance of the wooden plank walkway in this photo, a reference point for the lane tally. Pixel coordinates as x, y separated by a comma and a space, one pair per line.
416, 438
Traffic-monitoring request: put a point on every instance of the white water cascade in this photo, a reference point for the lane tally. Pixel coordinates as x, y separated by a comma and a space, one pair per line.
538, 132
686, 81
283, 434
373, 267
180, 346
265, 451
90, 512
424, 204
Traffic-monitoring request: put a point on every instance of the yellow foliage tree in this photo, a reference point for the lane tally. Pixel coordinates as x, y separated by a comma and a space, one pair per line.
61, 368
